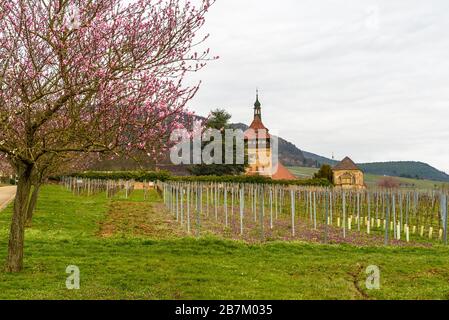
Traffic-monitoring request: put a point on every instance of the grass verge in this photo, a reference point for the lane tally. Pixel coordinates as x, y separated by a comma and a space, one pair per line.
129, 249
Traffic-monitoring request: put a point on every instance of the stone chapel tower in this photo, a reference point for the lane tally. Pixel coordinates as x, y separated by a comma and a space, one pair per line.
257, 145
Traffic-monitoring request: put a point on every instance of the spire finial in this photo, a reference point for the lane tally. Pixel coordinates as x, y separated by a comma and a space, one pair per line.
257, 104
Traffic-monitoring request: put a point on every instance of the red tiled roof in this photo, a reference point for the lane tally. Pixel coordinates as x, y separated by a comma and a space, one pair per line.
257, 130
257, 124
282, 173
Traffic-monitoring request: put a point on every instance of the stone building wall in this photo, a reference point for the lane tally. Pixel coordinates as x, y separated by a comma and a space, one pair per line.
349, 179
259, 166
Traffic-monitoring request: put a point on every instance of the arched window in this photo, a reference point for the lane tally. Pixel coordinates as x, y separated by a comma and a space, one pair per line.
347, 178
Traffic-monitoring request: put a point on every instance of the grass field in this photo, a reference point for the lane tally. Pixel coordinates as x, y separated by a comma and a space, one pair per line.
130, 249
371, 180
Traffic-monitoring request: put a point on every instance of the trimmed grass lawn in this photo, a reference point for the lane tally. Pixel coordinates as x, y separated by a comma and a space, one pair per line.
130, 249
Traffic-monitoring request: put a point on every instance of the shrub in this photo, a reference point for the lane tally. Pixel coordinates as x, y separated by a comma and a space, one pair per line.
325, 172
389, 183
165, 176
125, 175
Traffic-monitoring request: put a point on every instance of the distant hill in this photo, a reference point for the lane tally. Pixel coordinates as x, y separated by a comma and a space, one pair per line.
405, 169
319, 159
291, 155
373, 180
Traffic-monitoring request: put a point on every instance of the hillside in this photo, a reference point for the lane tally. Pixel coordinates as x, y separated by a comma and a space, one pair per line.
372, 180
405, 169
291, 155
319, 159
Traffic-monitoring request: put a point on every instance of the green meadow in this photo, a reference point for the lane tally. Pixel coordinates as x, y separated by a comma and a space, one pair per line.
131, 249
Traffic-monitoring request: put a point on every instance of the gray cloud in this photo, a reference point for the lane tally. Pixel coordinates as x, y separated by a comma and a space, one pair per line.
367, 79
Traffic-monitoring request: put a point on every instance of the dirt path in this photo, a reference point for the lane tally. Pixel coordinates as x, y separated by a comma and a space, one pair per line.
7, 194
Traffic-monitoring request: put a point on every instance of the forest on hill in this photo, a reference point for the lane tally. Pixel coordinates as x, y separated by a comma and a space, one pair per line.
291, 155
405, 169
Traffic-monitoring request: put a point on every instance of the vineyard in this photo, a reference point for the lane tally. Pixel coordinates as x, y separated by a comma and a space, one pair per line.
262, 212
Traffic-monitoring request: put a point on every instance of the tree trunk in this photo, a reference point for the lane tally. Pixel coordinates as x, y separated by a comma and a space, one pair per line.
14, 262
32, 203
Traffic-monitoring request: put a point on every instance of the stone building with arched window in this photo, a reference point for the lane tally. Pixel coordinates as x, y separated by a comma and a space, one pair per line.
347, 175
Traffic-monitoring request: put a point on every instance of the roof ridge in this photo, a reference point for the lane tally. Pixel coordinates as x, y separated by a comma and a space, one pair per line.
346, 164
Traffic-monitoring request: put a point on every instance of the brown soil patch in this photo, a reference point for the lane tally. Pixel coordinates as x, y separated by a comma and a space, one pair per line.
253, 231
139, 219
151, 219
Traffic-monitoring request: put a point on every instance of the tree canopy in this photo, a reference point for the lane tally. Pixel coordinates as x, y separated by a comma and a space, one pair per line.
325, 172
219, 120
102, 76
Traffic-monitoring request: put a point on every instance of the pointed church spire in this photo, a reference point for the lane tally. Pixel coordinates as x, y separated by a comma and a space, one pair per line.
257, 105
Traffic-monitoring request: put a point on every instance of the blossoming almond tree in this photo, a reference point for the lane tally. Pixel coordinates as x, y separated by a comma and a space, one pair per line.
55, 164
90, 76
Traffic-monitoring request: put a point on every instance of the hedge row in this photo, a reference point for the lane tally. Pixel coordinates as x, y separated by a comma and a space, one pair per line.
125, 175
166, 176
253, 179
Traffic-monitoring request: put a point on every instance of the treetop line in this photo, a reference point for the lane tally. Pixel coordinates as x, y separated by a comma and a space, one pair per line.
190, 148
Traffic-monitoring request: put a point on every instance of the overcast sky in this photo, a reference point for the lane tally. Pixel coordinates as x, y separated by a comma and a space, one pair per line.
367, 79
